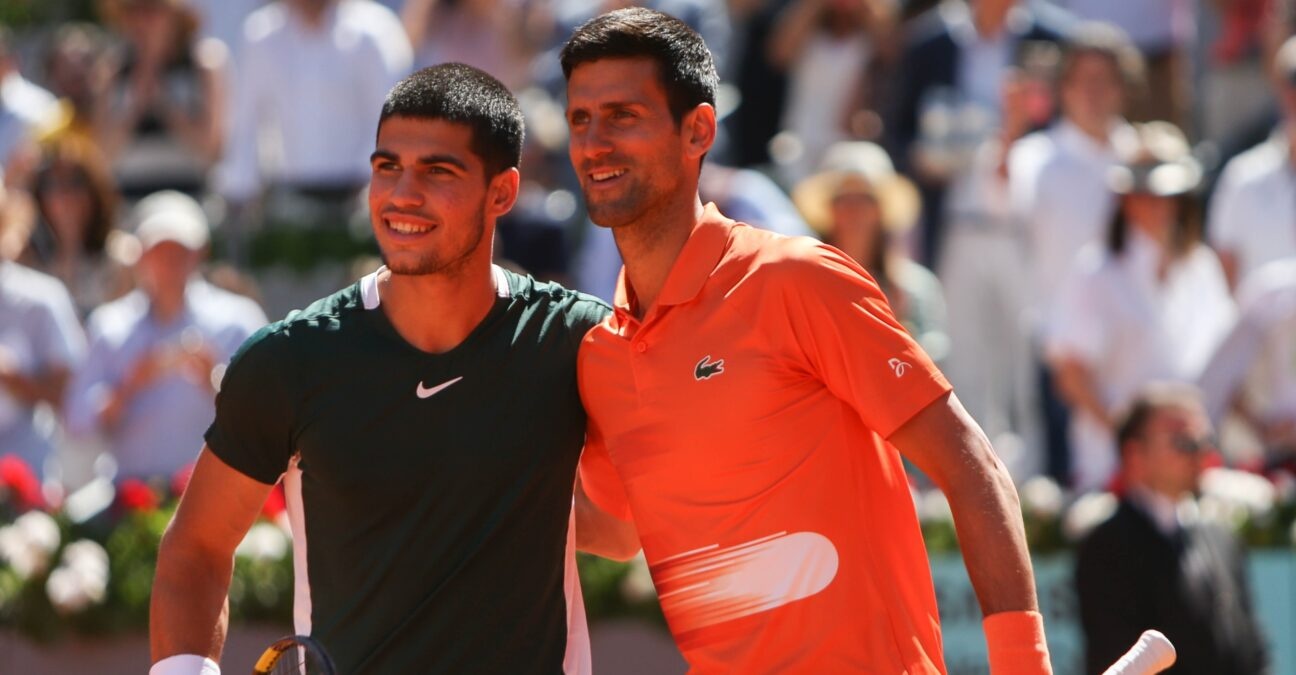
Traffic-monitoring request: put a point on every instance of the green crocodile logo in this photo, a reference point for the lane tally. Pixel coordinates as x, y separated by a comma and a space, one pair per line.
706, 368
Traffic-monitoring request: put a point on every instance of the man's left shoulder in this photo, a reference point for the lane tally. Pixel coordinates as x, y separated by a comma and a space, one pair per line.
577, 310
782, 258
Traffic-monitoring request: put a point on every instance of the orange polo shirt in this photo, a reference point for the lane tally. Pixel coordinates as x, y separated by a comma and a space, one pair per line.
742, 424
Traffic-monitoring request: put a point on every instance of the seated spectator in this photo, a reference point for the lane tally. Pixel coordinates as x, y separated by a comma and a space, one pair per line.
488, 34
76, 206
951, 76
162, 123
1057, 184
991, 363
311, 78
149, 381
28, 113
1153, 564
827, 47
1163, 31
78, 69
861, 206
1253, 373
40, 344
1152, 306
1254, 205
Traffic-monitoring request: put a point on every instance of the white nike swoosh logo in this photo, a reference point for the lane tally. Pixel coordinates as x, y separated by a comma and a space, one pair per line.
424, 392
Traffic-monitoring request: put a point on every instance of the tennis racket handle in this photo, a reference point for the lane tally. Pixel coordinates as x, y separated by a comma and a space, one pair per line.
1152, 653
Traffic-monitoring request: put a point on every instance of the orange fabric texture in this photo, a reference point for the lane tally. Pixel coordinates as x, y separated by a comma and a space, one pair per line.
742, 425
1015, 641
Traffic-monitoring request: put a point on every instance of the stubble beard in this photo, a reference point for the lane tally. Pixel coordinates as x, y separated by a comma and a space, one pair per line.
636, 205
433, 264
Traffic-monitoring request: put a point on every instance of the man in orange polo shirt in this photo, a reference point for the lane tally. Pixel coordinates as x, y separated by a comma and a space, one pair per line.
750, 399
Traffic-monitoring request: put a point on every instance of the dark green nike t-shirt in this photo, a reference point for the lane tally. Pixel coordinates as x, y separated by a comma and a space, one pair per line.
429, 494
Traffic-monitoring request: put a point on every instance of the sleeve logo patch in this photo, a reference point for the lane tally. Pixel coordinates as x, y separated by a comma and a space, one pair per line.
706, 368
899, 367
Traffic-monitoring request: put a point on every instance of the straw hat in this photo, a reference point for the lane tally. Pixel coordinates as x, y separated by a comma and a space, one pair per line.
858, 167
1157, 162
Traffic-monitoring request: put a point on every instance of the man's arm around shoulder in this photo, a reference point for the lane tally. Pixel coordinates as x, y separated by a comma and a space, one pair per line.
947, 445
188, 612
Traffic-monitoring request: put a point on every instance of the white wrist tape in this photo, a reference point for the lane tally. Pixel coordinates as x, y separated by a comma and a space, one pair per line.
185, 664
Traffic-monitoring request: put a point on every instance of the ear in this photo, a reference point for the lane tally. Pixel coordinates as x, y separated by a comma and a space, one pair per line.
699, 130
502, 192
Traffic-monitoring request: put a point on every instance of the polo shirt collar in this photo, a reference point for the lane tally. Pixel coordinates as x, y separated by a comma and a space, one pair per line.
699, 257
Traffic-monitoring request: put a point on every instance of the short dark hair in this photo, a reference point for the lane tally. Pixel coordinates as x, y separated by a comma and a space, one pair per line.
1154, 398
684, 65
458, 93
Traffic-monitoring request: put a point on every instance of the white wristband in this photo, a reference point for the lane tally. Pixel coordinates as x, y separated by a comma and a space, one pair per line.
185, 664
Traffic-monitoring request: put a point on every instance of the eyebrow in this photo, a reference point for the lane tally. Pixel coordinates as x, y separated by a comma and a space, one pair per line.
612, 105
425, 160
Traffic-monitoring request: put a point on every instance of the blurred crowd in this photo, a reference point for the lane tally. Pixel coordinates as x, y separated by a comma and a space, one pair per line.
1064, 201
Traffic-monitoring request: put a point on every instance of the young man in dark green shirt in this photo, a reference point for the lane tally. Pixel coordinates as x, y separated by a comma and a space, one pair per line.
425, 421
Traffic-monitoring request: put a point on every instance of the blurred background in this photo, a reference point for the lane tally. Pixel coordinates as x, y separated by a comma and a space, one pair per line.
1067, 202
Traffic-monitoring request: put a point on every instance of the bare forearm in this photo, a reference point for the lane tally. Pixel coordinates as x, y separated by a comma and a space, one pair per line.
794, 29
987, 515
603, 534
34, 389
188, 613
948, 446
1076, 387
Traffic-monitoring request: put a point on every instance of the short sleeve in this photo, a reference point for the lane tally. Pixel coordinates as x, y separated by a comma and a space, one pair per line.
253, 429
599, 478
586, 312
849, 337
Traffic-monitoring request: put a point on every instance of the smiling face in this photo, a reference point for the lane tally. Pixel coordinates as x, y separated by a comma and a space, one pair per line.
433, 209
632, 159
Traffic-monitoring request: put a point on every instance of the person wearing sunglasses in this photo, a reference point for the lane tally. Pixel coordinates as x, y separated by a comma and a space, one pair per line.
1154, 564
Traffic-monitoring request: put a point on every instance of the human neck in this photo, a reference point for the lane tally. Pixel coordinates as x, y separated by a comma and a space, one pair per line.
436, 312
989, 24
649, 248
1098, 130
312, 14
166, 307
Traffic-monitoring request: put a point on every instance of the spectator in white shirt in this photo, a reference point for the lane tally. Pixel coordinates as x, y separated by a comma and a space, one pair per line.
1058, 185
148, 384
1163, 31
1252, 218
161, 121
1152, 305
1253, 373
311, 76
40, 344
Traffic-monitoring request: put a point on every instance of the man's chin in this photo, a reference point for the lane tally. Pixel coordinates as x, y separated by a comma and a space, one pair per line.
413, 268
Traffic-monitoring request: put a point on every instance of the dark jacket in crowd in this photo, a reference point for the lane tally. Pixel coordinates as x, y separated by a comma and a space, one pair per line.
1192, 587
930, 60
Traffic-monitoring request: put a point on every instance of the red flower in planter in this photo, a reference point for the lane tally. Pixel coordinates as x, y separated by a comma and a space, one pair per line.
180, 480
21, 482
135, 496
275, 502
